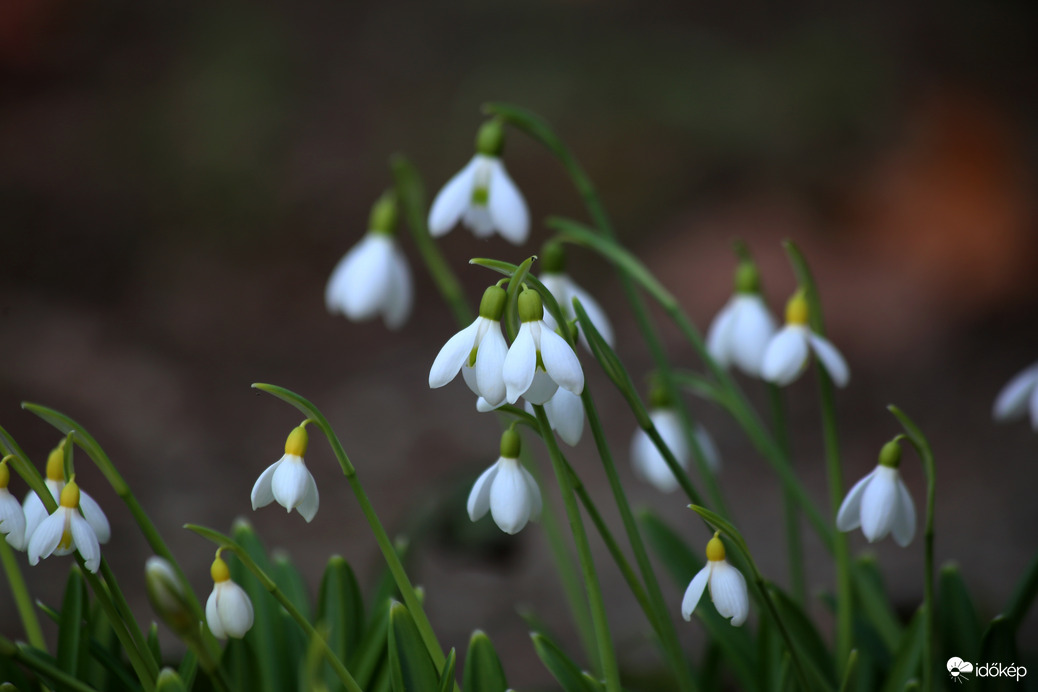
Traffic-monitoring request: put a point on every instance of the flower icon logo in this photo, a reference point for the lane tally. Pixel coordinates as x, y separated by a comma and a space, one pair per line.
958, 668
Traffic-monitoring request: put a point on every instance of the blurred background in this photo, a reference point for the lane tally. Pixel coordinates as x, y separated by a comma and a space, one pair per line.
178, 181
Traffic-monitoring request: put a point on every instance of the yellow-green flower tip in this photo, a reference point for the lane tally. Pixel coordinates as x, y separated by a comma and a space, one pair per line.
296, 442
5, 474
747, 278
219, 571
530, 306
715, 549
511, 443
56, 463
492, 306
490, 140
890, 455
70, 495
383, 214
796, 309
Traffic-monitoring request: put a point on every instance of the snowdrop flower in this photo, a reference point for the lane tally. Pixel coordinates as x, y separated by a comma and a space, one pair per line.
478, 351
649, 464
539, 361
879, 503
481, 195
788, 351
167, 596
741, 332
288, 480
228, 612
564, 290
12, 519
1018, 396
506, 489
35, 512
727, 586
65, 531
565, 411
373, 277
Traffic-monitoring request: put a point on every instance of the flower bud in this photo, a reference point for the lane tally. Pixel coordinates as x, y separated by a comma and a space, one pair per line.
490, 140
167, 597
890, 455
511, 443
383, 214
747, 278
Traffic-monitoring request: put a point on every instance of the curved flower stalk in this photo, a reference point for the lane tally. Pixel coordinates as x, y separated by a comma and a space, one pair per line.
481, 195
564, 290
373, 278
288, 480
744, 327
539, 361
66, 531
36, 513
789, 350
1019, 397
506, 490
879, 503
228, 612
478, 351
650, 465
727, 586
12, 519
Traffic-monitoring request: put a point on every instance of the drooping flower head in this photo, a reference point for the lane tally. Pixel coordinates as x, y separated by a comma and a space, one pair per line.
789, 351
506, 490
288, 480
741, 332
66, 531
565, 411
12, 519
539, 361
228, 612
879, 503
478, 351
564, 290
54, 477
727, 586
481, 195
651, 466
373, 278
1018, 397
167, 596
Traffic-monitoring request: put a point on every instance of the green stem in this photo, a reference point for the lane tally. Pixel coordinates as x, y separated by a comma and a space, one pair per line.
594, 592
791, 515
143, 664
22, 599
126, 615
29, 658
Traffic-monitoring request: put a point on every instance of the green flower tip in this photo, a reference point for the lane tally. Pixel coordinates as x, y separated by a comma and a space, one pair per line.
490, 140
511, 443
659, 397
553, 257
747, 278
383, 214
492, 306
531, 308
890, 455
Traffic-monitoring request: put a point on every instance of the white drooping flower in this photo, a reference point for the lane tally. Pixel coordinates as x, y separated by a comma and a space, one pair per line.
66, 531
12, 519
539, 361
740, 333
478, 351
228, 612
650, 465
35, 512
564, 290
879, 503
373, 278
288, 480
1018, 397
506, 490
789, 350
481, 195
727, 586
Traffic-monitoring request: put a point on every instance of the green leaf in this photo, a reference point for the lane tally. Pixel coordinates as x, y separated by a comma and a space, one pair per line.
340, 609
291, 583
874, 606
999, 642
1023, 596
611, 364
483, 669
153, 642
447, 678
411, 668
957, 620
562, 668
909, 654
70, 623
806, 638
169, 681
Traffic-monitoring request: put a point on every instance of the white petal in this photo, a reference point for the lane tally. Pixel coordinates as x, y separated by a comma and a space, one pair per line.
594, 312
262, 494
290, 482
371, 278
786, 356
490, 364
507, 206
479, 497
46, 537
307, 507
536, 503
85, 540
711, 455
542, 389
878, 504
212, 614
1012, 401
719, 337
452, 356
728, 591
849, 516
477, 219
694, 592
235, 609
668, 425
336, 288
396, 307
831, 358
561, 362
751, 331
510, 502
483, 406
904, 516
648, 461
95, 516
1034, 409
452, 200
520, 362
565, 412
12, 520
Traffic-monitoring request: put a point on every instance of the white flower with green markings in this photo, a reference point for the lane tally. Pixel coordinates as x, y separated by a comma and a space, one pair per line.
741, 332
539, 361
12, 519
879, 503
288, 480
478, 351
66, 531
506, 490
228, 611
789, 351
726, 583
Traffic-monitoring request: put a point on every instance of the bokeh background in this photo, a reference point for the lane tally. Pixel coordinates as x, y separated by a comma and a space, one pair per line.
178, 180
